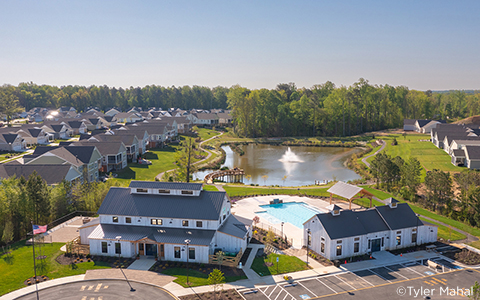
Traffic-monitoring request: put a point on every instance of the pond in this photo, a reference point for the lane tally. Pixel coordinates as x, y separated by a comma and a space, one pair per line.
289, 166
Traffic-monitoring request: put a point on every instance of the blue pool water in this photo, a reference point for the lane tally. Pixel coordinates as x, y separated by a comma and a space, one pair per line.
295, 213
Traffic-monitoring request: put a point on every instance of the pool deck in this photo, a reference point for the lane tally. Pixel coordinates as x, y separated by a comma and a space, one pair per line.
248, 206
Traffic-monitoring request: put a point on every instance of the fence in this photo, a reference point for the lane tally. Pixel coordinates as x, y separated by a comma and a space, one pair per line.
225, 260
275, 231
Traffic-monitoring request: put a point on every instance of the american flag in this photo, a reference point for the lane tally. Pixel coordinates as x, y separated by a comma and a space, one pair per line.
39, 229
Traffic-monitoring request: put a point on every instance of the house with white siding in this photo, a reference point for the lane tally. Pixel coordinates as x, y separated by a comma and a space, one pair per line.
151, 218
340, 234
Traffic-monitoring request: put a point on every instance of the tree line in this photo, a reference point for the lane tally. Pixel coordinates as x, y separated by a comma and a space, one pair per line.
327, 110
24, 200
403, 178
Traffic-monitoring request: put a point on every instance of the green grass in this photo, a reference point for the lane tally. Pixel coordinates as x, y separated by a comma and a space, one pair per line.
446, 233
195, 277
162, 160
210, 188
286, 264
429, 156
365, 202
205, 133
377, 193
16, 269
475, 244
233, 191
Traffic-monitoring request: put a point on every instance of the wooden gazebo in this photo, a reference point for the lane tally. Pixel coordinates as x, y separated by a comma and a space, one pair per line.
350, 192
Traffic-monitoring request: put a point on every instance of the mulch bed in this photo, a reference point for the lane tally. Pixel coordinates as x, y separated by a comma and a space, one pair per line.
161, 266
230, 294
113, 262
31, 280
463, 256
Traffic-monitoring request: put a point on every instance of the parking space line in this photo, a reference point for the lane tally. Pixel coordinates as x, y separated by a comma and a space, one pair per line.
327, 286
308, 289
272, 291
278, 295
413, 270
438, 280
363, 279
344, 282
379, 275
263, 293
395, 272
285, 296
287, 292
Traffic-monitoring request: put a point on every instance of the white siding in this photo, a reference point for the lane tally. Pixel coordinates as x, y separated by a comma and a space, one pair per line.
229, 243
128, 248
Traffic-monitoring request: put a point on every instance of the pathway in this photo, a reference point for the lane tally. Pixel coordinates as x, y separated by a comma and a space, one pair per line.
470, 238
364, 160
159, 176
142, 264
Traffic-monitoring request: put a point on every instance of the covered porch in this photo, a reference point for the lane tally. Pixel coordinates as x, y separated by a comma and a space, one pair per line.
149, 247
349, 192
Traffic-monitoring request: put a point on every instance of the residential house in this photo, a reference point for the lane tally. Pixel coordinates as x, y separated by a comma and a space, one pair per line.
33, 136
409, 125
340, 234
114, 153
472, 157
205, 119
11, 141
155, 218
52, 174
458, 157
129, 140
112, 112
141, 134
225, 118
128, 117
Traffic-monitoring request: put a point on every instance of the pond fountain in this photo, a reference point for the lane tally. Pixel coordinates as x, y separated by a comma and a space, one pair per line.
290, 157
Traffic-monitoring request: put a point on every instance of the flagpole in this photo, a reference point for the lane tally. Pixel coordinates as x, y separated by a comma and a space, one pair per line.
34, 265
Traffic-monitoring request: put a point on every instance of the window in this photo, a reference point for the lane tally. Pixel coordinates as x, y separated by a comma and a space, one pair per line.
128, 220
187, 192
199, 224
414, 237
104, 247
356, 247
142, 190
399, 232
185, 223
191, 253
369, 244
177, 252
322, 239
322, 247
383, 240
394, 204
156, 221
118, 248
399, 240
339, 241
339, 250
164, 191
356, 239
115, 219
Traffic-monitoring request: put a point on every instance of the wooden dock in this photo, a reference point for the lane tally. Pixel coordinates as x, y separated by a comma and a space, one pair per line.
234, 175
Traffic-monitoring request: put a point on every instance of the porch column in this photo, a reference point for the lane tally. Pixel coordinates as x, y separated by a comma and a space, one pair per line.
331, 195
350, 204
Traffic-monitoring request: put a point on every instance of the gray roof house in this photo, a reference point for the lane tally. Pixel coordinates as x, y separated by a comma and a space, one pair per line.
60, 173
338, 234
151, 218
472, 157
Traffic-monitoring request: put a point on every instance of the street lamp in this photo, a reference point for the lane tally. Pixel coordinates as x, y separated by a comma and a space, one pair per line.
282, 229
187, 241
118, 238
308, 242
416, 231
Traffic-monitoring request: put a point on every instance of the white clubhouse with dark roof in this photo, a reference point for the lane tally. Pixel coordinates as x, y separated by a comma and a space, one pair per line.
155, 218
341, 233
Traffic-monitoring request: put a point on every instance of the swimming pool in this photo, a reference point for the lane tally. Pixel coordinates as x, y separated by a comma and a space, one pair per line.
295, 213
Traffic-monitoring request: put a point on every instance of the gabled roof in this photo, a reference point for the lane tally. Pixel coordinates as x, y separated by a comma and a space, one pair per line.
399, 217
235, 226
9, 138
52, 174
75, 124
167, 235
345, 190
205, 116
166, 185
422, 123
409, 122
458, 153
34, 132
119, 201
472, 152
105, 148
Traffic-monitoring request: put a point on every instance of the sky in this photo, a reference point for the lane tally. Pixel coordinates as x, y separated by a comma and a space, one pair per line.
257, 44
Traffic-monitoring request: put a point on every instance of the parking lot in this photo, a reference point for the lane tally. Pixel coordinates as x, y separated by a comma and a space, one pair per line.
329, 285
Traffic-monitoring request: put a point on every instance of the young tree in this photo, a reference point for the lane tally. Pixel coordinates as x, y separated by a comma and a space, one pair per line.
185, 156
9, 104
216, 279
475, 291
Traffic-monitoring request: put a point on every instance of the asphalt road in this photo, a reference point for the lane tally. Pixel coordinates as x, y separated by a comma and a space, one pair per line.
101, 290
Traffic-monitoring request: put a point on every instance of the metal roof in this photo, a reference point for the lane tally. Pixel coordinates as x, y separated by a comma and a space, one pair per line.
201, 237
235, 226
345, 190
166, 185
119, 201
381, 218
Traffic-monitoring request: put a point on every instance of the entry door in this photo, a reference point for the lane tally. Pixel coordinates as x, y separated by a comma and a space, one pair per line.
141, 249
376, 245
162, 251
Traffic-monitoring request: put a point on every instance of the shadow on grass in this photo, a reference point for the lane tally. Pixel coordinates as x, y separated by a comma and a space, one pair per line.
259, 266
151, 155
127, 173
9, 259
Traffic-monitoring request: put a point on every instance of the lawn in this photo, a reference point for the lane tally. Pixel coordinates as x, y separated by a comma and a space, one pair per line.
286, 264
16, 269
427, 153
195, 277
162, 160
207, 187
205, 133
249, 190
446, 233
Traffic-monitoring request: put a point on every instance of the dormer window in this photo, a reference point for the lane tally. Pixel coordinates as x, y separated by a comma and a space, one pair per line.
142, 190
336, 212
115, 219
185, 223
187, 192
164, 191
394, 204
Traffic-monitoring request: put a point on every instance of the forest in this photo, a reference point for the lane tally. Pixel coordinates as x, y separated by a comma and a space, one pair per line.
322, 110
